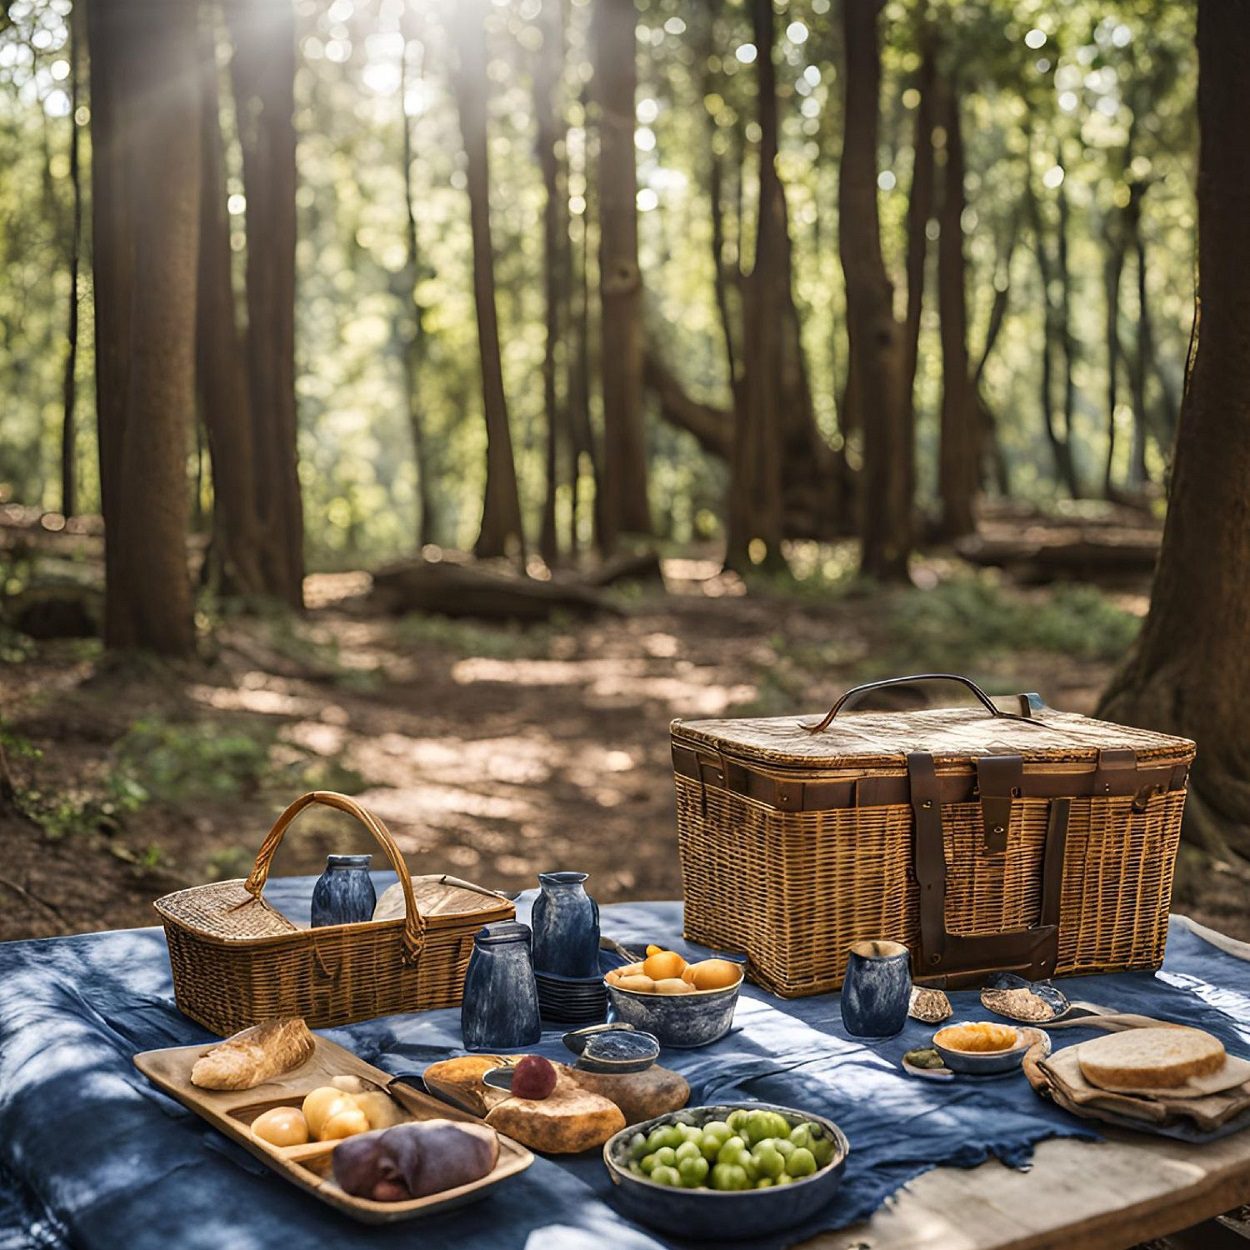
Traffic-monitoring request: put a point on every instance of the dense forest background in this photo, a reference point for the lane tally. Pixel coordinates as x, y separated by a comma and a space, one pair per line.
1077, 129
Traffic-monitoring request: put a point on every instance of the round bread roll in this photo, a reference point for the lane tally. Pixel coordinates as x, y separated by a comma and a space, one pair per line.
1150, 1058
345, 1123
324, 1102
281, 1126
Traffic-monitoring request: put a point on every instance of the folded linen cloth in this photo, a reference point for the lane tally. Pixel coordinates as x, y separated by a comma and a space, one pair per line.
1067, 1085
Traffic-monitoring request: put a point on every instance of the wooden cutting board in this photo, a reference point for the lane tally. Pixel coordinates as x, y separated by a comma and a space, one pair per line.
309, 1167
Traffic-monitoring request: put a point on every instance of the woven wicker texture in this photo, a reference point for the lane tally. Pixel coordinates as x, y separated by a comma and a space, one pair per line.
879, 739
237, 961
794, 889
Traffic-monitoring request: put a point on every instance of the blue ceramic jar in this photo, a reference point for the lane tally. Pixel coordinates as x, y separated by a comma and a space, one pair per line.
344, 893
566, 926
500, 1006
877, 990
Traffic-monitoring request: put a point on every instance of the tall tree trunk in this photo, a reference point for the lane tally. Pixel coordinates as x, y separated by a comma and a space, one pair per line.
959, 451
145, 160
69, 383
1139, 474
501, 533
412, 328
755, 508
221, 377
263, 71
583, 454
625, 508
1113, 268
919, 212
1060, 445
1067, 341
1189, 672
876, 346
550, 140
988, 434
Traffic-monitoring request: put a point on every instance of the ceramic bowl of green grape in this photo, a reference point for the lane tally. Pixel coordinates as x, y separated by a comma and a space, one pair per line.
723, 1173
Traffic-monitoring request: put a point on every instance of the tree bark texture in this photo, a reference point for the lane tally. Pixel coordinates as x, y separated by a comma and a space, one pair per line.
145, 216
501, 532
959, 451
69, 383
919, 212
412, 327
221, 377
1189, 672
625, 507
876, 346
550, 142
263, 72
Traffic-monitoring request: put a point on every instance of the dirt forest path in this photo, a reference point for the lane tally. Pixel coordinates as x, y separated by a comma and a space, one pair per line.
492, 753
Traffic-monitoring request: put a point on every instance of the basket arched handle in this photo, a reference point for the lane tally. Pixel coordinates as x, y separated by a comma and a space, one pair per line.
857, 692
414, 922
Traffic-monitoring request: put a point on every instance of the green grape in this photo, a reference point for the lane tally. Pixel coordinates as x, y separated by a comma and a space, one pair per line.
637, 1146
688, 1150
666, 1156
728, 1176
693, 1171
736, 1119
666, 1176
768, 1160
801, 1135
801, 1163
733, 1151
765, 1182
648, 1163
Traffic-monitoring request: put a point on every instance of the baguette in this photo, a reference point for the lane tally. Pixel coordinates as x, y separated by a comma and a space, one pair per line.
255, 1055
1145, 1059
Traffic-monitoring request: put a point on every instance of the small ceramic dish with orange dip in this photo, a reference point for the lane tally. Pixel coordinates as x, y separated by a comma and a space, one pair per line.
981, 1048
682, 1004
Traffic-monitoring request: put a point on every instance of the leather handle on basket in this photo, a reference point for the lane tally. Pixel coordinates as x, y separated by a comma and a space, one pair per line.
414, 922
857, 692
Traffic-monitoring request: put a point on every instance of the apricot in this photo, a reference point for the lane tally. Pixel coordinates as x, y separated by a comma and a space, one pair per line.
640, 984
713, 974
673, 985
664, 965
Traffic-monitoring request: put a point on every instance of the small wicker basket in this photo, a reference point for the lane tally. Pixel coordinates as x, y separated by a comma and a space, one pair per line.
236, 960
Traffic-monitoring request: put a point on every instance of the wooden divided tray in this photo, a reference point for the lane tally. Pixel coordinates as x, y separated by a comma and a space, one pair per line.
309, 1167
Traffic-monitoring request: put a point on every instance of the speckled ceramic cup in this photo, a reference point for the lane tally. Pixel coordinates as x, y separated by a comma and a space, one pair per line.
877, 989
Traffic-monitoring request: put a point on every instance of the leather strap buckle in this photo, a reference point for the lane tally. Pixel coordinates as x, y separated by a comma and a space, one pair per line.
999, 779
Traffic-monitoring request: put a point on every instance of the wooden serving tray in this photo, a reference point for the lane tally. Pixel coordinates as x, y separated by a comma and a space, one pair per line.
309, 1167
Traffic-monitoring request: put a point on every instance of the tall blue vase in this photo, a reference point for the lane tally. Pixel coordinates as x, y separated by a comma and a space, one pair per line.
344, 893
500, 1006
566, 926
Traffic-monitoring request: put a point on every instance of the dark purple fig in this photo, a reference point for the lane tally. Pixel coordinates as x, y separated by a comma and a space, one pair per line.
366, 1167
534, 1077
435, 1155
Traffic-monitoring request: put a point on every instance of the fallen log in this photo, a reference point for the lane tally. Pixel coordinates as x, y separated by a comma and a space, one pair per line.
460, 590
638, 568
1072, 556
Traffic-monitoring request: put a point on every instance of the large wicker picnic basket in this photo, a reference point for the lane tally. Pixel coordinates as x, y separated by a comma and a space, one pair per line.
237, 960
1032, 840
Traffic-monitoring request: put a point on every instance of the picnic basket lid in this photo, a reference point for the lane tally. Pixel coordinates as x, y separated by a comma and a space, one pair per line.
952, 735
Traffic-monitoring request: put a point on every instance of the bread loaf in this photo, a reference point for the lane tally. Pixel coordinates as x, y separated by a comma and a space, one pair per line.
1162, 1058
255, 1055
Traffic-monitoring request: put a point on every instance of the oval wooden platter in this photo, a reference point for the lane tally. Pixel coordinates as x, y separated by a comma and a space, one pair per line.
309, 1167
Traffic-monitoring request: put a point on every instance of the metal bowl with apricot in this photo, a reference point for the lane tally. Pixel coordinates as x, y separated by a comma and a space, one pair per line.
682, 1004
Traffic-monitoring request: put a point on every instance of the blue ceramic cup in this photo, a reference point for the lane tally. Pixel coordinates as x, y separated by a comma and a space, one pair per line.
877, 990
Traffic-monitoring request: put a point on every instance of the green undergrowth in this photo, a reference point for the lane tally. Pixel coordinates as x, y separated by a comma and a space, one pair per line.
180, 765
975, 625
472, 638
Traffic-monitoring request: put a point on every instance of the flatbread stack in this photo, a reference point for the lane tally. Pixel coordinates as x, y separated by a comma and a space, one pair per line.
1169, 1076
